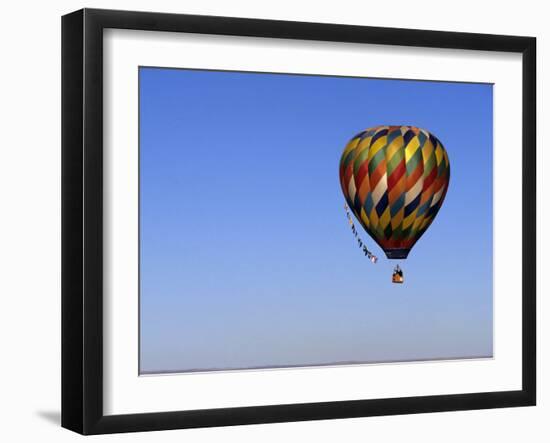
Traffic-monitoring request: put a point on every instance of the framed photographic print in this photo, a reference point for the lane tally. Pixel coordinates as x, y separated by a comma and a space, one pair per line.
269, 221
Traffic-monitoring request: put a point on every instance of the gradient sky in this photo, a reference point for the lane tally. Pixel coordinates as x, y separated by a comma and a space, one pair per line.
246, 256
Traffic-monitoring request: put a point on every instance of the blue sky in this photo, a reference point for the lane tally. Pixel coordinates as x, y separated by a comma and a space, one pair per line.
246, 257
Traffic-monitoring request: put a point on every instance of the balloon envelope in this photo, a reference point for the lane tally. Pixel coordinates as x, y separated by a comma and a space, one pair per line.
394, 179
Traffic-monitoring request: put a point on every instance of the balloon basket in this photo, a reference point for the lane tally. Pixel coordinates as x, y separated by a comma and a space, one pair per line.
397, 276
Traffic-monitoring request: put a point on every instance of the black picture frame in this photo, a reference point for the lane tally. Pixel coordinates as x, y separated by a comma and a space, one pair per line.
82, 215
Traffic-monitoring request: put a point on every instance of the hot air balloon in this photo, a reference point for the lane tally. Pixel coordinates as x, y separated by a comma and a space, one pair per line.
394, 179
